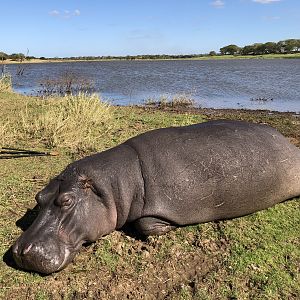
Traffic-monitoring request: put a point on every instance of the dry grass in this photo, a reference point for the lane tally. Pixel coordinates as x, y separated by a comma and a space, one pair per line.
7, 133
5, 83
74, 123
69, 122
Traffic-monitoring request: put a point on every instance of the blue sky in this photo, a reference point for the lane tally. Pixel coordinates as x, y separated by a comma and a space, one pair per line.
118, 27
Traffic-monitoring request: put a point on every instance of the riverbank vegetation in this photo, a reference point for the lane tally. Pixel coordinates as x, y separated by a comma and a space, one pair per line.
66, 83
180, 101
5, 83
5, 80
289, 48
253, 257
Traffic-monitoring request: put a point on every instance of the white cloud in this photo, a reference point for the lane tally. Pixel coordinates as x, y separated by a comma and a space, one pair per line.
265, 1
271, 18
218, 3
66, 14
54, 12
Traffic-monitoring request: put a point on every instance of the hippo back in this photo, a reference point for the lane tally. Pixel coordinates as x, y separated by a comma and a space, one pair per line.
215, 170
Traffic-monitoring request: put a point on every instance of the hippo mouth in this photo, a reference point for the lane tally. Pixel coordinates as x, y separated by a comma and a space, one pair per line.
43, 258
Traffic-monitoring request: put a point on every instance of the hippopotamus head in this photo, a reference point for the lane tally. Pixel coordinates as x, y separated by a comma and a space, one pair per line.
72, 211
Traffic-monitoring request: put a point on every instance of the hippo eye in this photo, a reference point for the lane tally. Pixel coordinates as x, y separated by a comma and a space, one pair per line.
65, 200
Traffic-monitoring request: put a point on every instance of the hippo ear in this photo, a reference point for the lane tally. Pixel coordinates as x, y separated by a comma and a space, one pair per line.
48, 193
85, 182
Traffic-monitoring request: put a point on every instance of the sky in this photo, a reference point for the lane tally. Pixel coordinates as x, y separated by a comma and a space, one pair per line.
63, 28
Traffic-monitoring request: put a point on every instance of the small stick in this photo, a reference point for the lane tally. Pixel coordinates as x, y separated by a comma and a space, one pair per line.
17, 153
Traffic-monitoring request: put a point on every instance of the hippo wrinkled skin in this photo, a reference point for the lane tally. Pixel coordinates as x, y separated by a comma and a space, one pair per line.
158, 181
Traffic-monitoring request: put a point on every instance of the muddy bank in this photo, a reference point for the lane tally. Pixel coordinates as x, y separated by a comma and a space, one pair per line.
288, 123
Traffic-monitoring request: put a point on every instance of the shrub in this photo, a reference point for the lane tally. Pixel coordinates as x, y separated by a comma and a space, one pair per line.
67, 83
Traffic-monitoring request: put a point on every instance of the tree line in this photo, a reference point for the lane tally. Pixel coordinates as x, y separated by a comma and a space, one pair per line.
284, 47
281, 47
15, 56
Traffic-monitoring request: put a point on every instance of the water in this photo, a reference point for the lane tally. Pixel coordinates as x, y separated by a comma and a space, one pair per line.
211, 83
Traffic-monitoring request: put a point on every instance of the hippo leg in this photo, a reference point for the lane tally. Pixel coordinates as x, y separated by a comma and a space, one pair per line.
153, 226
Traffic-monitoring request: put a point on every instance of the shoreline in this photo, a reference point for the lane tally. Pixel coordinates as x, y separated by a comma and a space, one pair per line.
217, 57
193, 109
288, 123
212, 110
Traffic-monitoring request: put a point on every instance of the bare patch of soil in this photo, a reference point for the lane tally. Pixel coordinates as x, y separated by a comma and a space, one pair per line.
158, 268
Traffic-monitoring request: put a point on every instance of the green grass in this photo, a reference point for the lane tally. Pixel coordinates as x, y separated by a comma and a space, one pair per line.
254, 257
268, 254
262, 56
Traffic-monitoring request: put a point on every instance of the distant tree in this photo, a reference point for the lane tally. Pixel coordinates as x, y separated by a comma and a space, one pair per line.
289, 46
14, 56
248, 50
297, 45
281, 46
17, 56
212, 53
230, 49
21, 56
260, 48
3, 56
271, 47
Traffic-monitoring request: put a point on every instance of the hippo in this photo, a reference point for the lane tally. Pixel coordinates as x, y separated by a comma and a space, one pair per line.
157, 181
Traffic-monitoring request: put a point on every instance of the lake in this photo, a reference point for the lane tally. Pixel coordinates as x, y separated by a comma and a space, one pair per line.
211, 83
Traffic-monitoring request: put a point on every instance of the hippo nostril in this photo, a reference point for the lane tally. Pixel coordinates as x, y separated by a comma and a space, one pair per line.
26, 249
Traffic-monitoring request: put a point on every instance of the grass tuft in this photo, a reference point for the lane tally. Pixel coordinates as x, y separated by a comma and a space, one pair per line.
71, 122
5, 83
176, 102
